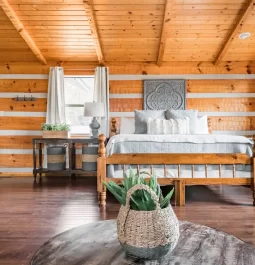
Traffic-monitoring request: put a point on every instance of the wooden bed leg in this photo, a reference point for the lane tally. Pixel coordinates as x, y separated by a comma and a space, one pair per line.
101, 171
103, 199
99, 194
179, 192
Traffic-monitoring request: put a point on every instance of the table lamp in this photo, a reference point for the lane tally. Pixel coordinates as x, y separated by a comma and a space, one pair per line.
94, 109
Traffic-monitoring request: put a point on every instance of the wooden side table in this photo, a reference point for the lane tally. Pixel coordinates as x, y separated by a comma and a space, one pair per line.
71, 142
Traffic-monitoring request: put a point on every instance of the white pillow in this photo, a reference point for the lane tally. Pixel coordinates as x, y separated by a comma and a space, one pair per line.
155, 126
202, 125
177, 126
181, 114
127, 126
159, 126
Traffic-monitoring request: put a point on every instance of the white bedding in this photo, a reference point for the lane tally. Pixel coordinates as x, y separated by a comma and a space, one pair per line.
176, 138
206, 143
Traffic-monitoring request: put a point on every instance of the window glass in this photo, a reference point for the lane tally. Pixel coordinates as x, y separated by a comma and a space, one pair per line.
78, 90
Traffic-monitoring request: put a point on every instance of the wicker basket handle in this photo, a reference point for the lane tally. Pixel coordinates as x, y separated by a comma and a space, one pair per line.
142, 187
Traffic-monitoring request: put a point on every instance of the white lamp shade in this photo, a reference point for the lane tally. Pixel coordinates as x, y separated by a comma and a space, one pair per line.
94, 109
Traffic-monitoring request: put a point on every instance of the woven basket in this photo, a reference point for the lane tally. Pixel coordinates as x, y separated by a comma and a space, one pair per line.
147, 234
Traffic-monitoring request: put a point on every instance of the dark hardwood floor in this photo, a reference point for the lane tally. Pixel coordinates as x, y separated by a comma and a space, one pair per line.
30, 214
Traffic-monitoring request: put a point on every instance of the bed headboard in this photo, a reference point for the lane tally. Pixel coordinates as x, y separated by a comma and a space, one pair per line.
113, 126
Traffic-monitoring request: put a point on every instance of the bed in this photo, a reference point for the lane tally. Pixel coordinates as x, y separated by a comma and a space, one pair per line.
185, 153
209, 160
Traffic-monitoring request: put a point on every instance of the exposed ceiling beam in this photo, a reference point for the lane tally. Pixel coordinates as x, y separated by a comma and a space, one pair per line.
247, 10
93, 26
163, 39
21, 29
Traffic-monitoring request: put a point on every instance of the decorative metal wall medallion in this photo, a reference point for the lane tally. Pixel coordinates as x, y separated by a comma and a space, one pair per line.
164, 94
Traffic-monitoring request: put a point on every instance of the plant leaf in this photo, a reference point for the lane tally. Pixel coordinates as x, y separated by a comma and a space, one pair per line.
116, 187
167, 199
115, 193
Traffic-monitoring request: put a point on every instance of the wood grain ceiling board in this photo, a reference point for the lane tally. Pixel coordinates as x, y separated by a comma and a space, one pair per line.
12, 46
60, 29
198, 29
129, 30
241, 50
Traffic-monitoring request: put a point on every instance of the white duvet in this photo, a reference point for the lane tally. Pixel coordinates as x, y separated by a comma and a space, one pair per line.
177, 138
197, 144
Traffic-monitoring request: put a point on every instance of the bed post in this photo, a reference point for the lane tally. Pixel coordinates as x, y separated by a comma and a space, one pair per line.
253, 168
101, 170
113, 129
179, 188
209, 121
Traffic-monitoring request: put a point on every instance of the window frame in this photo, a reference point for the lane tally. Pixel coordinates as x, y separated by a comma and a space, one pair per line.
77, 105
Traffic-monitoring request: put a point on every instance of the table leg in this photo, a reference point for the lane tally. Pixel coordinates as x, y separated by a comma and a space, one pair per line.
73, 158
34, 158
70, 154
40, 159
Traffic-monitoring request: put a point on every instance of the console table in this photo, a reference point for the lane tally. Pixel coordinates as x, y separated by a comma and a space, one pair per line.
71, 142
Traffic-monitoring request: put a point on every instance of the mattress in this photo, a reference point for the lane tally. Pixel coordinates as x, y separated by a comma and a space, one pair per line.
199, 144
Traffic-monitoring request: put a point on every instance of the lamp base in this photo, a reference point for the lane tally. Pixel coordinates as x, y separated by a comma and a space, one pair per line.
94, 126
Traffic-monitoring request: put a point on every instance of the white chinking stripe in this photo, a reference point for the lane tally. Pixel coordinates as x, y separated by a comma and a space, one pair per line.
126, 95
20, 133
22, 114
194, 95
16, 151
14, 95
210, 114
16, 169
9, 151
220, 95
183, 76
23, 76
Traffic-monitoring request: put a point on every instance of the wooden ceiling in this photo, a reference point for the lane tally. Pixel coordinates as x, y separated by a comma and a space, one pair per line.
126, 30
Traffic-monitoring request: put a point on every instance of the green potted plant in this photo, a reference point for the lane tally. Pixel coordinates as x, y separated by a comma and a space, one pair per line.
147, 226
55, 130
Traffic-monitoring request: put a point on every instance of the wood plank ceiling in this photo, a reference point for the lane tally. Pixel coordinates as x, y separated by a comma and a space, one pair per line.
130, 30
12, 46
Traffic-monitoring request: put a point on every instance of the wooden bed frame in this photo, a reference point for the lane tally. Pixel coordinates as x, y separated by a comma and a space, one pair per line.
173, 159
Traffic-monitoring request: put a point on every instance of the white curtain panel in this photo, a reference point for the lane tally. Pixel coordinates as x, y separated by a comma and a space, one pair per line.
56, 103
56, 96
101, 94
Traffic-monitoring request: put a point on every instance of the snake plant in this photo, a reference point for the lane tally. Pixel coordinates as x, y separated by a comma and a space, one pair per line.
141, 199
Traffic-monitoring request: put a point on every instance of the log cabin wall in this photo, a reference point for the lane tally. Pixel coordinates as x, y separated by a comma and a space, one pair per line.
20, 121
229, 102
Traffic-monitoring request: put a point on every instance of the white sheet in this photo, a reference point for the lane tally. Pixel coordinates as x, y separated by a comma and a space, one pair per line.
143, 143
177, 138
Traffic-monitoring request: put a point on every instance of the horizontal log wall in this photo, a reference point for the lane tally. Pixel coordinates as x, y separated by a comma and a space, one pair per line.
231, 102
20, 117
20, 121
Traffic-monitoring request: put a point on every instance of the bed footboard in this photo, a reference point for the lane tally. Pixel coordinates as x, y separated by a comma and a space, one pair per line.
175, 159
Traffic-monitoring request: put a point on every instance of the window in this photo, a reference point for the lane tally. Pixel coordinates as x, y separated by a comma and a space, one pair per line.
78, 90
